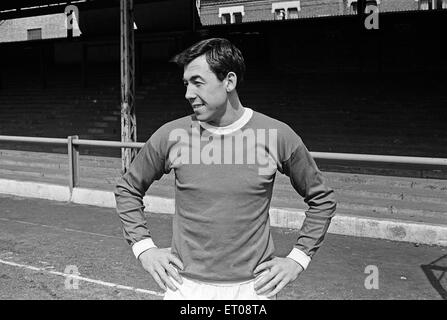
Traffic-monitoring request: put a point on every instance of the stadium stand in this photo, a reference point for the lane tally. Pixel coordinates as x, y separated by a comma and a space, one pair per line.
340, 88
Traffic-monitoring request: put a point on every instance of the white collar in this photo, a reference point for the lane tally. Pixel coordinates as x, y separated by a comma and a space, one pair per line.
238, 124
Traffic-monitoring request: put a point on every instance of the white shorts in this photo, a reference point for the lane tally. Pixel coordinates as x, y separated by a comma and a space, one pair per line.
197, 290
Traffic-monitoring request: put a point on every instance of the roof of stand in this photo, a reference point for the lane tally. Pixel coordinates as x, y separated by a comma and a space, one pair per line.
26, 8
102, 17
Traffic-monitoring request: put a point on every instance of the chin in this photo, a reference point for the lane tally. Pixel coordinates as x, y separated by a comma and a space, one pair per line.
203, 117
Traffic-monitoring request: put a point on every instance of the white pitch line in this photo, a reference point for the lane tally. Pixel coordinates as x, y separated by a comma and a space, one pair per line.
93, 233
74, 276
18, 221
58, 228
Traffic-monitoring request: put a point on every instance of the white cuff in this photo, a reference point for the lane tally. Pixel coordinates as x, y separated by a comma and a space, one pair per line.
141, 246
300, 257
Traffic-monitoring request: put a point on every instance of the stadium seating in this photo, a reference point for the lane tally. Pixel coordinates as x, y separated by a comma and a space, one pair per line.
333, 113
354, 113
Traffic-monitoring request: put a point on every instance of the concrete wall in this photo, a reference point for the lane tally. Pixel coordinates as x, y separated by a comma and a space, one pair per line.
53, 26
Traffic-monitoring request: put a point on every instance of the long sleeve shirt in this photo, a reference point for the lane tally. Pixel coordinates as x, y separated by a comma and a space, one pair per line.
224, 180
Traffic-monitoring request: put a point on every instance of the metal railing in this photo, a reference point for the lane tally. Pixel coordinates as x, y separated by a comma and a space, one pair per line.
73, 143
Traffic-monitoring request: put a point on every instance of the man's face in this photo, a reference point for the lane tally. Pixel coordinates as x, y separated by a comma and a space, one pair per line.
204, 91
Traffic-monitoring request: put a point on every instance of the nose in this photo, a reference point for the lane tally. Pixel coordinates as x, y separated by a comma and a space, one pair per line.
190, 95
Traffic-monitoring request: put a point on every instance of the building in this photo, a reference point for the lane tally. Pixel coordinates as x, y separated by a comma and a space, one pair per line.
214, 12
49, 26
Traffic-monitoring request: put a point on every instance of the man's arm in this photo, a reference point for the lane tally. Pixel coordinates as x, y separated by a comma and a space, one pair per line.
147, 167
308, 181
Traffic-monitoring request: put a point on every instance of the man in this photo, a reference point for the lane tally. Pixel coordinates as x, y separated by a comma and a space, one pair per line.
225, 157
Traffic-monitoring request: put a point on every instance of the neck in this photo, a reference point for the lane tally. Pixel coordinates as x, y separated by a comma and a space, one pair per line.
231, 113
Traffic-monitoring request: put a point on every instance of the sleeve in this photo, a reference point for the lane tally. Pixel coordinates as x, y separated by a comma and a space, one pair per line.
308, 181
149, 165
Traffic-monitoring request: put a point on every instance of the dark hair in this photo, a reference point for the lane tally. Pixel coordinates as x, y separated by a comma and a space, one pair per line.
222, 57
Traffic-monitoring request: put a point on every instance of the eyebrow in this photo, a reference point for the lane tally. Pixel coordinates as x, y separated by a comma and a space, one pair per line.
195, 77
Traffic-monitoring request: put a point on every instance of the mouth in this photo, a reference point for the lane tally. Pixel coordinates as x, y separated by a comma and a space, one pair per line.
198, 107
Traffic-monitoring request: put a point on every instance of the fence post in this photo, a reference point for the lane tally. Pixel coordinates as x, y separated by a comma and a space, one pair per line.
73, 163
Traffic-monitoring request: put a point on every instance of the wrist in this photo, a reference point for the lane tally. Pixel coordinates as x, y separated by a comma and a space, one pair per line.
139, 247
145, 252
299, 257
298, 266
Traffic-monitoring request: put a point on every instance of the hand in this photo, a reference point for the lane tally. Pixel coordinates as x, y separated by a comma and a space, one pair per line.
158, 262
280, 271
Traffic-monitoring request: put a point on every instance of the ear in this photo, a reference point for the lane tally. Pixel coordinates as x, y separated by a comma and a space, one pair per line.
231, 81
